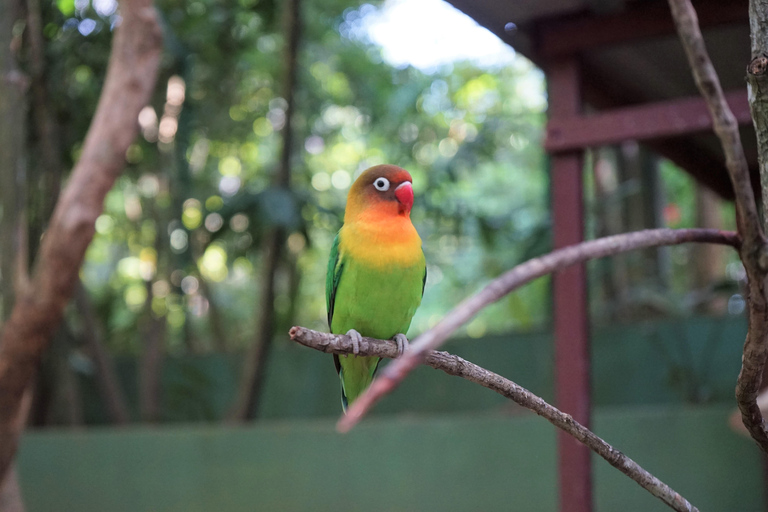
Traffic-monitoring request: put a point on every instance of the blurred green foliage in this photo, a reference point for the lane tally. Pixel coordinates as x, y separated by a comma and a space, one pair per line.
180, 236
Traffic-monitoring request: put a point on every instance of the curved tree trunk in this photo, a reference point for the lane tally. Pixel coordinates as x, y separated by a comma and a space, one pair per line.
41, 298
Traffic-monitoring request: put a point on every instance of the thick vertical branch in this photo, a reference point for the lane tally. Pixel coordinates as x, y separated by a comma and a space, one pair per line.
756, 345
253, 370
754, 250
757, 85
253, 373
39, 307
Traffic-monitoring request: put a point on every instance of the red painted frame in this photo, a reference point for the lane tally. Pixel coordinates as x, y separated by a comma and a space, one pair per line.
571, 319
663, 119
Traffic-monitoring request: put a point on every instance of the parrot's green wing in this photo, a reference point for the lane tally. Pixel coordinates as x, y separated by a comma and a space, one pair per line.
335, 266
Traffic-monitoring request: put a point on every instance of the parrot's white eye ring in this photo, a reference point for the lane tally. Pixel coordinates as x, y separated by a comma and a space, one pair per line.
381, 184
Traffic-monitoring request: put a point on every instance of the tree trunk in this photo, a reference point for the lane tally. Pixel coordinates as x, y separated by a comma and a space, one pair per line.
247, 404
12, 178
45, 176
106, 377
153, 330
151, 364
253, 371
215, 320
12, 136
58, 393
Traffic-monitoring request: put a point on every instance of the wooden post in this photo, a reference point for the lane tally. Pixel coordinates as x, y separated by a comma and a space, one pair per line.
571, 322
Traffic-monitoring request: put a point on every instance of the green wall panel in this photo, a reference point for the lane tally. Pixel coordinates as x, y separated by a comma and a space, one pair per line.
395, 463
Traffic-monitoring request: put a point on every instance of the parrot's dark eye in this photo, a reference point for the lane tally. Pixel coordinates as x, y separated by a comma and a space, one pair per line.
381, 184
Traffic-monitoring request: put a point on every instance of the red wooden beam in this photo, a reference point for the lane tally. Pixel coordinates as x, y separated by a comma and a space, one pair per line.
570, 312
658, 120
641, 20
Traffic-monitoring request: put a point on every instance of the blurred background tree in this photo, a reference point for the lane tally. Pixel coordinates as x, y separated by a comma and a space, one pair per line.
177, 263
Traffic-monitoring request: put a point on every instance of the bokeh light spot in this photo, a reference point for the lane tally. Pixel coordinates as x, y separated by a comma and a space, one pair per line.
213, 264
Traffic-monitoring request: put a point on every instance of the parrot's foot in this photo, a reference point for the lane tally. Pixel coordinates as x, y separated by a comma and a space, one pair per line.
402, 343
356, 340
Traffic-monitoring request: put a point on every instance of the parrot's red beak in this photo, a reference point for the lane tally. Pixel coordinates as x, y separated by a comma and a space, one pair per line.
404, 195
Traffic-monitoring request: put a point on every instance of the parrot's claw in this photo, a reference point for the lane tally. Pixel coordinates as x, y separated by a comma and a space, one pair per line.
402, 343
356, 340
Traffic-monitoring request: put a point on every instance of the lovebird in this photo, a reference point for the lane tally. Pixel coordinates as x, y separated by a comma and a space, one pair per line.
376, 272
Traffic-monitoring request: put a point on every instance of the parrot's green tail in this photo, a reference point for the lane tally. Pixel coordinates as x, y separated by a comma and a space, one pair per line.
356, 374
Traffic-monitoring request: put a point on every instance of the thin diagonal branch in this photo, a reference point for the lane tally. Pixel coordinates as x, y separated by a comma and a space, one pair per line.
394, 373
754, 250
455, 365
38, 309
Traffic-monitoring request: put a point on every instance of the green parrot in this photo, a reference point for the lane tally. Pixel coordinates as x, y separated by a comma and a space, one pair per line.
376, 272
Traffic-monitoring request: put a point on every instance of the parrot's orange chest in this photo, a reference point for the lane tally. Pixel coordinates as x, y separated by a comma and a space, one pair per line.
381, 243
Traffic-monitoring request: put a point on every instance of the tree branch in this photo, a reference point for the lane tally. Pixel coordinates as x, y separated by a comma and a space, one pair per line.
455, 365
38, 310
754, 250
395, 372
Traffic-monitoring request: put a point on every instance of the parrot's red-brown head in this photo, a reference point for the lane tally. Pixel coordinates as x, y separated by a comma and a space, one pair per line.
380, 192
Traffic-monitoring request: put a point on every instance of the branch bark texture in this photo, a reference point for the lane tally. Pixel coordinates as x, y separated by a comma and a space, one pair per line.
754, 249
395, 372
455, 365
757, 86
40, 304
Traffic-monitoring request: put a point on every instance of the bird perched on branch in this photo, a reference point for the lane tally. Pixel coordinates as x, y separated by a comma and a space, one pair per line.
376, 273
